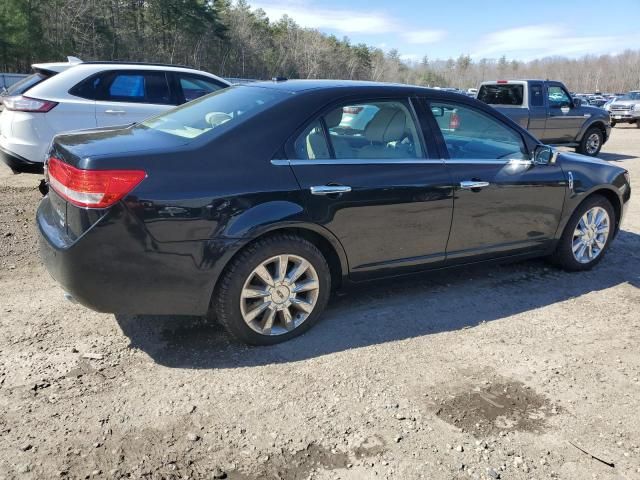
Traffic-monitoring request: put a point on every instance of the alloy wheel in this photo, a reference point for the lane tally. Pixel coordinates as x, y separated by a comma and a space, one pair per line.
590, 235
593, 143
279, 294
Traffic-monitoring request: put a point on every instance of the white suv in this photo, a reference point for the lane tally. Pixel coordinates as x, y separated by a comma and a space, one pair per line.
89, 95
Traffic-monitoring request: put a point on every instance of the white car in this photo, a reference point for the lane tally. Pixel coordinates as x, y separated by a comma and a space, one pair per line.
87, 95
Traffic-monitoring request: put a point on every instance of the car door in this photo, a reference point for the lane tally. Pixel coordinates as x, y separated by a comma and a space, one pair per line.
376, 188
129, 96
503, 203
564, 120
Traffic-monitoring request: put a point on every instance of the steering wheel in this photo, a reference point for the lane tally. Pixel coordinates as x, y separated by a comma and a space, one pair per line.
217, 118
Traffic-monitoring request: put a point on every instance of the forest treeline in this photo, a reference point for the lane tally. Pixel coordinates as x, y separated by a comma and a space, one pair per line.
231, 39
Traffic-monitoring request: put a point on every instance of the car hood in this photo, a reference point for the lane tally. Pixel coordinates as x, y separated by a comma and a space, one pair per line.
576, 157
593, 110
626, 102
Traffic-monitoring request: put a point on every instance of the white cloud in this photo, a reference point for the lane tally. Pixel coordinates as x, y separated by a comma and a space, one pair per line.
423, 37
345, 21
537, 41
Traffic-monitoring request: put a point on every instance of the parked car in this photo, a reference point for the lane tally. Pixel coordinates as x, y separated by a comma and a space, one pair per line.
249, 203
89, 95
626, 109
597, 100
546, 109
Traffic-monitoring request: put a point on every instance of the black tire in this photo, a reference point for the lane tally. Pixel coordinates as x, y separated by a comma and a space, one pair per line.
613, 124
563, 256
585, 147
227, 297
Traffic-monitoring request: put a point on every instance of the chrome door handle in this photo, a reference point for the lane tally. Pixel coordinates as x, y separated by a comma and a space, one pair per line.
114, 111
470, 185
329, 189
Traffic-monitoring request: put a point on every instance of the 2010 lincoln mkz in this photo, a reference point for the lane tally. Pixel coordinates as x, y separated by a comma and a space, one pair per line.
255, 202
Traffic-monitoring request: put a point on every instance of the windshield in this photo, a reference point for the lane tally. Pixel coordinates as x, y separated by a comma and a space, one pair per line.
224, 107
25, 84
503, 94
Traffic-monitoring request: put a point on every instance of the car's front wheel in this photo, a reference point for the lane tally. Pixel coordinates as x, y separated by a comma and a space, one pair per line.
587, 235
274, 290
591, 142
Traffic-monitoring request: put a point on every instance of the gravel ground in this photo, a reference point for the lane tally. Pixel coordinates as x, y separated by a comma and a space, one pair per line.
503, 372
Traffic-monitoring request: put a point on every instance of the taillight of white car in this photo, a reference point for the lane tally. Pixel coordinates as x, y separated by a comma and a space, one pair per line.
21, 103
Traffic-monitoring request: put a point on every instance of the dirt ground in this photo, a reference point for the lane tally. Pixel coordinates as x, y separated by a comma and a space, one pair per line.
503, 372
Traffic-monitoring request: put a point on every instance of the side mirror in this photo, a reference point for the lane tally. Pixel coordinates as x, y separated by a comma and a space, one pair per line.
545, 155
577, 102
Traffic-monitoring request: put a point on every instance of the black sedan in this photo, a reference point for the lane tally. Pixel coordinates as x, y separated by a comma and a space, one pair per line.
254, 202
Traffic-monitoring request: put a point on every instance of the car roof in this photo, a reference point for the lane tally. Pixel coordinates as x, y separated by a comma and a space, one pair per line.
99, 66
295, 86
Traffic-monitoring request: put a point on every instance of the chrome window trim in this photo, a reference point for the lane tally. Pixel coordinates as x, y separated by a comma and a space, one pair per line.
387, 161
459, 161
359, 161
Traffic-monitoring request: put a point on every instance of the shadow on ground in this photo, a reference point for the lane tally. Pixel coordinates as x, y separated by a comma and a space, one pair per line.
615, 157
392, 310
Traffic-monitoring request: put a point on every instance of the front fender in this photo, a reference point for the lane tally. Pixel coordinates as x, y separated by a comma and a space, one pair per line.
601, 121
610, 182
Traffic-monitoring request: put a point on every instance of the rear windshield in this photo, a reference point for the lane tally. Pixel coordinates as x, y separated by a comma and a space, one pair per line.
26, 83
224, 107
502, 94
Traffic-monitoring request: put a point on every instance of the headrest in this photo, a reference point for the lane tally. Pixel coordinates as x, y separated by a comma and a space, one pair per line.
333, 118
388, 125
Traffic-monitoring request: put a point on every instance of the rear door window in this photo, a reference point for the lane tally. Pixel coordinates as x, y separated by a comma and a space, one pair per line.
141, 87
501, 94
536, 95
369, 130
127, 87
195, 86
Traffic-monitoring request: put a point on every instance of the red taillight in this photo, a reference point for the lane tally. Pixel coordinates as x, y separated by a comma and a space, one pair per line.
454, 121
352, 110
91, 188
502, 81
21, 103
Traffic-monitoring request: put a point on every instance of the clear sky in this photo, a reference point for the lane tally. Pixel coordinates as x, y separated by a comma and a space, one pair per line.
519, 29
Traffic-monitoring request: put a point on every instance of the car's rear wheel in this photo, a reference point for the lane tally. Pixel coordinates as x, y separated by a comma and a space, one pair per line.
274, 290
591, 142
587, 235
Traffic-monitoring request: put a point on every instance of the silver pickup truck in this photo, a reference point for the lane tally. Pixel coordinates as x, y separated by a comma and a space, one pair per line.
546, 109
626, 109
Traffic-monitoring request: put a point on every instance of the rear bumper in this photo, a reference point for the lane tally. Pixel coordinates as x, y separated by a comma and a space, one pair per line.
116, 267
19, 164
